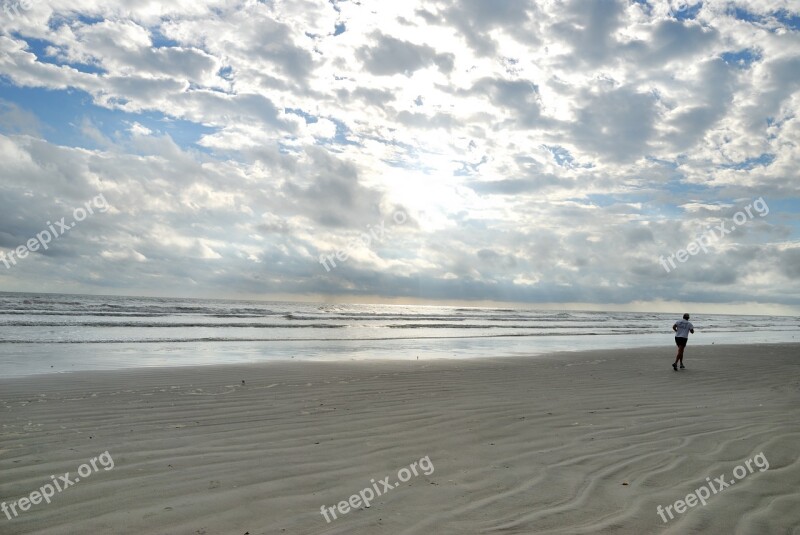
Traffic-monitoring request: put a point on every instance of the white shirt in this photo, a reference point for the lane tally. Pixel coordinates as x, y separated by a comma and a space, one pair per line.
684, 327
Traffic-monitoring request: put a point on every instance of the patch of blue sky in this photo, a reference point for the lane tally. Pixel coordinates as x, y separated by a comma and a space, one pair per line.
194, 86
54, 109
789, 20
184, 133
790, 206
341, 133
686, 12
684, 190
160, 40
784, 212
62, 114
287, 148
57, 20
339, 138
38, 47
763, 160
309, 118
771, 121
666, 163
335, 4
468, 168
226, 73
740, 13
561, 155
667, 211
339, 29
646, 6
87, 19
783, 17
662, 199
742, 59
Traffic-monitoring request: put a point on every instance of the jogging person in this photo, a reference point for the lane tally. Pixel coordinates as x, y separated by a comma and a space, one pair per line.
682, 329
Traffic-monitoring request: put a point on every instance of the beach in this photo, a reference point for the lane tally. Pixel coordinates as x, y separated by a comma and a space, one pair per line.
415, 268
581, 442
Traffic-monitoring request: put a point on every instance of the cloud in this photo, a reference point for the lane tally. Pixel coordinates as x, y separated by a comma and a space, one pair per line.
543, 151
394, 56
475, 20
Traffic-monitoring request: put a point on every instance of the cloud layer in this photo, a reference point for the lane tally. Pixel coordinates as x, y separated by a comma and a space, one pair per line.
547, 152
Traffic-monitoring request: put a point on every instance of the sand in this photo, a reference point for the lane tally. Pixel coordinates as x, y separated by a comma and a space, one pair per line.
567, 443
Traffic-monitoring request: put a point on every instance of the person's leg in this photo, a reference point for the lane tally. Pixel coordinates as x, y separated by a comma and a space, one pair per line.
679, 356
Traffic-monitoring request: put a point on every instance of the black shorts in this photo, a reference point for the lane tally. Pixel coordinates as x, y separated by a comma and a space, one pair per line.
680, 341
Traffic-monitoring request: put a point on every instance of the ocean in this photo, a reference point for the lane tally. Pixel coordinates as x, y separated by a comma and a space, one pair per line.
47, 333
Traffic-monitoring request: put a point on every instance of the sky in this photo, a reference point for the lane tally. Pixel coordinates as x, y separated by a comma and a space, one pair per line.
603, 154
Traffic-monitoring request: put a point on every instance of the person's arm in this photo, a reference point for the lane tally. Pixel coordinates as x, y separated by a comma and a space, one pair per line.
691, 331
675, 327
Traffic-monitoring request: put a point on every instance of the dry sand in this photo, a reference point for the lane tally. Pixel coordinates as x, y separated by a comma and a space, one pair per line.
568, 443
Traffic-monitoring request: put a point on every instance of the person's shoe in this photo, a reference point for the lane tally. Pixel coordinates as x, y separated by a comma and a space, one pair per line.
683, 367
675, 367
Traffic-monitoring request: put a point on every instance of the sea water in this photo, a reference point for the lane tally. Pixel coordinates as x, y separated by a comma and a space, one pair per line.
44, 333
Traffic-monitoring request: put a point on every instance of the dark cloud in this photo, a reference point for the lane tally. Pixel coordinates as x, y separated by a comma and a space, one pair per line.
475, 19
519, 97
616, 124
332, 195
589, 28
711, 100
395, 56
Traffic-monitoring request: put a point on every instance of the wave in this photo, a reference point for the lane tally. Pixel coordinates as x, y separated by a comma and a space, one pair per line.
474, 326
89, 314
145, 325
239, 339
39, 318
